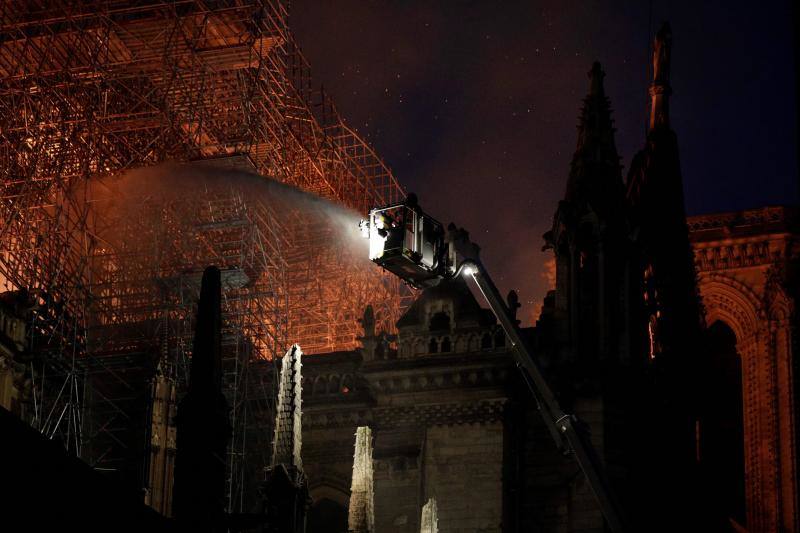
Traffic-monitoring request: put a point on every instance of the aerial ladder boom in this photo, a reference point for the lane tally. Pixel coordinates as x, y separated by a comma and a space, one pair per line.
412, 245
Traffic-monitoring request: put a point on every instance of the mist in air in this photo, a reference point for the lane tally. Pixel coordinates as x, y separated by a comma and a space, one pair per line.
301, 258
122, 199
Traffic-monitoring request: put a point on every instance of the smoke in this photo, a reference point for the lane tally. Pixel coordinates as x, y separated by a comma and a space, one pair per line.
548, 276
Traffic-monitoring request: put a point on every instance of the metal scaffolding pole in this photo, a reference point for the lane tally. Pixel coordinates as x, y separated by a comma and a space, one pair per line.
92, 91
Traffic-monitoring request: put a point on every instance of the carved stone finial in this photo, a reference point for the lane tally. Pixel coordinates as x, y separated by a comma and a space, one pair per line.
662, 50
596, 76
594, 172
512, 301
429, 522
368, 322
660, 88
370, 341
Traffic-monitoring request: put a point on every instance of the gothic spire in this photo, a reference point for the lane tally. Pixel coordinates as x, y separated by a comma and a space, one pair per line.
203, 423
361, 514
660, 89
206, 371
285, 489
595, 170
595, 128
429, 522
287, 442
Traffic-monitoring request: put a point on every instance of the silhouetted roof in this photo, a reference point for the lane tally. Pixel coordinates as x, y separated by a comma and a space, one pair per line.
595, 176
47, 490
465, 305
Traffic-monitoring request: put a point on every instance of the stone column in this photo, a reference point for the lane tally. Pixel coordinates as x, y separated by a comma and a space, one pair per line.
429, 522
361, 513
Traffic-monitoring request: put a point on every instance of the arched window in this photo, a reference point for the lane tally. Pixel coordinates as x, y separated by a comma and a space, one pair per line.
446, 345
720, 423
333, 384
380, 351
327, 516
473, 343
347, 384
433, 346
461, 343
419, 347
499, 339
320, 386
440, 322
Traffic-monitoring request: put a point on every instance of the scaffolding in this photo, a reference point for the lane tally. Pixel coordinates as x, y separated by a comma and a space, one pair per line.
90, 91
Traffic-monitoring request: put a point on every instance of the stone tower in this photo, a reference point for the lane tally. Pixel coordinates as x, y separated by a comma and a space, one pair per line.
588, 238
665, 269
666, 315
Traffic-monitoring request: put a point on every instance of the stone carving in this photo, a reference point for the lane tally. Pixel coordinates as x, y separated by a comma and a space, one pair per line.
361, 514
429, 522
287, 443
285, 489
662, 50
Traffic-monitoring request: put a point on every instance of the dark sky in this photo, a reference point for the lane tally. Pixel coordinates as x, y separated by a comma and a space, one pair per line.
474, 104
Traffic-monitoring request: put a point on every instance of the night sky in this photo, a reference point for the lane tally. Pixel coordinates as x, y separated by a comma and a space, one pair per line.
474, 104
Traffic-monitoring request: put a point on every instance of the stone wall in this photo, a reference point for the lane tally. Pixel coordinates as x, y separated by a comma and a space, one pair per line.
463, 470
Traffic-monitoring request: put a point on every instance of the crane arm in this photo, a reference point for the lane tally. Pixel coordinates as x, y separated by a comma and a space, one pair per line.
569, 434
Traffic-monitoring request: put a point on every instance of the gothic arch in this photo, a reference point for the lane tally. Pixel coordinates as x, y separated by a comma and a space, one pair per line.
334, 383
761, 323
780, 307
474, 343
591, 221
348, 384
420, 347
329, 495
732, 302
737, 305
446, 345
320, 386
778, 304
461, 343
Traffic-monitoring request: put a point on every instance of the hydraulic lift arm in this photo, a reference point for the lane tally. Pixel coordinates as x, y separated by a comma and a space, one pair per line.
411, 245
569, 434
